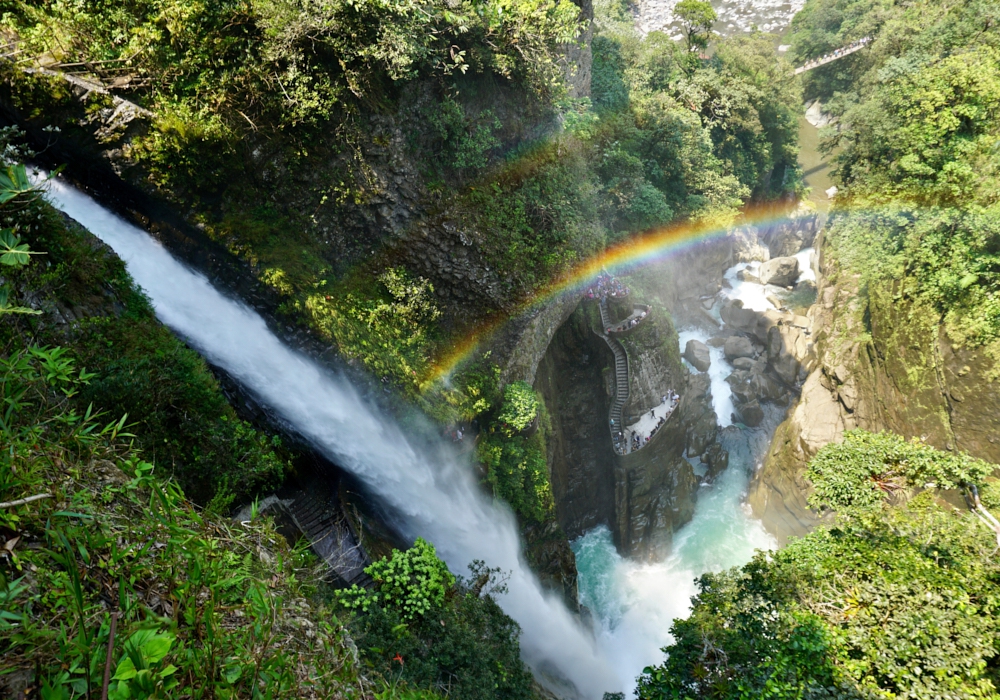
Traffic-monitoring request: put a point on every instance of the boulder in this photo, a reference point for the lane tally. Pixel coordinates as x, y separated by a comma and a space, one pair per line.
751, 414
738, 346
780, 271
697, 353
716, 457
701, 433
785, 345
748, 386
788, 242
743, 363
733, 314
747, 276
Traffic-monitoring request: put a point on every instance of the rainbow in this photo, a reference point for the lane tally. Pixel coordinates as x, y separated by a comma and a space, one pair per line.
642, 249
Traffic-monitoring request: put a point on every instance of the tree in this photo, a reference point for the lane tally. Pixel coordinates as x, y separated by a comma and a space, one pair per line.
894, 601
697, 18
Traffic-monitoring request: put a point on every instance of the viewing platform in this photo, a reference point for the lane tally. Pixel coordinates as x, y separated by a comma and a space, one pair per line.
626, 440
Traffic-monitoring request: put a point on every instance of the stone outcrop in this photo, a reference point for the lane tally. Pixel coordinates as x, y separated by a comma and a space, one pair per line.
645, 496
522, 343
654, 363
878, 362
655, 487
781, 272
776, 240
778, 493
697, 353
738, 346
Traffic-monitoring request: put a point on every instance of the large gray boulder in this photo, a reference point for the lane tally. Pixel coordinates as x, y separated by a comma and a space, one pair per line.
734, 315
738, 346
697, 353
779, 271
750, 414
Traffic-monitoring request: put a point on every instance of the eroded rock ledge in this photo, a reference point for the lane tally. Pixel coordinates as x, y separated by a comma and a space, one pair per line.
882, 361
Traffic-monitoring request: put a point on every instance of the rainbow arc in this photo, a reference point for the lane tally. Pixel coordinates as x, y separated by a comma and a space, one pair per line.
643, 249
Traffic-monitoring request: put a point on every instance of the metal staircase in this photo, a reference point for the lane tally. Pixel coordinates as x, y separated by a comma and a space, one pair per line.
621, 376
331, 538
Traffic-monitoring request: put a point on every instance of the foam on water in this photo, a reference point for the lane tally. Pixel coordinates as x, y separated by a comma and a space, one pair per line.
752, 294
434, 494
722, 397
635, 604
806, 271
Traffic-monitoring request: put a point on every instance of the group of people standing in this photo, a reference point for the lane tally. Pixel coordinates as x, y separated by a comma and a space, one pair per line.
635, 440
627, 323
607, 286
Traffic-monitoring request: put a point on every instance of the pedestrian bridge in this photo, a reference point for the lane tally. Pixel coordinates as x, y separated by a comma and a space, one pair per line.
834, 55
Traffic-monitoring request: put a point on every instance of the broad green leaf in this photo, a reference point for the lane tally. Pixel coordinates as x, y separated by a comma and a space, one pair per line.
125, 670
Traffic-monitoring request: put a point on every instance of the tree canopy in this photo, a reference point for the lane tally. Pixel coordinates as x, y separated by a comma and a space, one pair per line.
698, 17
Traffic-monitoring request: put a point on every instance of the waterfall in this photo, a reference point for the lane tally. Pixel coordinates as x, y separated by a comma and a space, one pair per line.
434, 494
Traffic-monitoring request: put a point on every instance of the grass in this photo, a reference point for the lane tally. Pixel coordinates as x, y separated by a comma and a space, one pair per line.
106, 544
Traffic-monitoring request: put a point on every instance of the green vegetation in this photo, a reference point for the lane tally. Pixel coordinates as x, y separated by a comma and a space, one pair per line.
93, 560
917, 164
386, 321
512, 451
138, 367
100, 548
862, 470
893, 601
698, 18
426, 627
319, 141
520, 407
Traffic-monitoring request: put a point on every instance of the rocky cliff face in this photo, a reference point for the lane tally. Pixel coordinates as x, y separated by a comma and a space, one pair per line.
882, 362
646, 496
655, 487
581, 460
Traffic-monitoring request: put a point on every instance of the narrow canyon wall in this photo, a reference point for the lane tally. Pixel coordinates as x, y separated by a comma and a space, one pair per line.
883, 362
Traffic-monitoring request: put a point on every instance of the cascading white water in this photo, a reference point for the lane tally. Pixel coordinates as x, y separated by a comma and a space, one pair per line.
433, 492
635, 604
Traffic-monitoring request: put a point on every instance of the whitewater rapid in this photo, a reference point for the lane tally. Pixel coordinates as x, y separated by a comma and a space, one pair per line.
634, 604
432, 491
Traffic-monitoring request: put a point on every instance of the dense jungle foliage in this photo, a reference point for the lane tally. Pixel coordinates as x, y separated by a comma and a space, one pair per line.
270, 124
915, 142
898, 599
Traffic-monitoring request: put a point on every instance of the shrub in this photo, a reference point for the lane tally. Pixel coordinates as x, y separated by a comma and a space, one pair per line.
422, 625
519, 408
866, 467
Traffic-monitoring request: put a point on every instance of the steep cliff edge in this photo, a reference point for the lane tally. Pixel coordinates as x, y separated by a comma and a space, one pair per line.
884, 361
